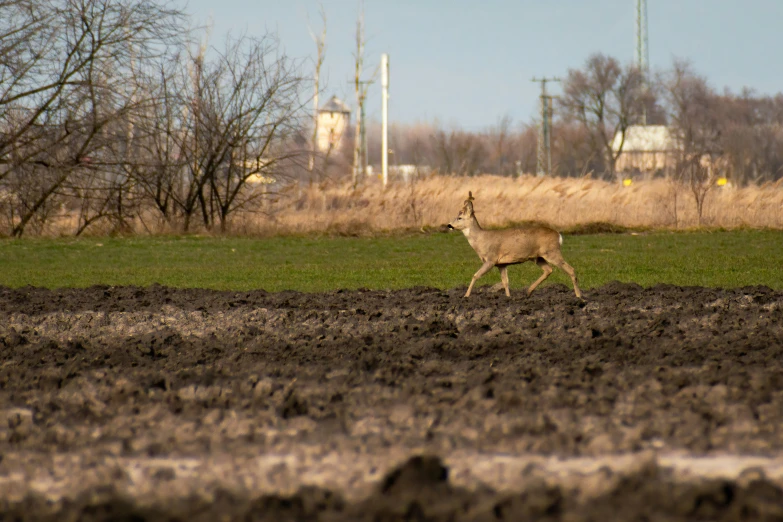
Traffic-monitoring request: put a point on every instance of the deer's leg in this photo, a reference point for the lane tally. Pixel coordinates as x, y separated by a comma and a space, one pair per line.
547, 272
504, 278
557, 260
497, 287
486, 267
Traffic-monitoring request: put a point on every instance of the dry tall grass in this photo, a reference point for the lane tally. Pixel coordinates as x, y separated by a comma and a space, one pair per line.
502, 201
499, 202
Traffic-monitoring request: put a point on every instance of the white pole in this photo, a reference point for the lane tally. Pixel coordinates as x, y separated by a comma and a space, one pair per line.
385, 118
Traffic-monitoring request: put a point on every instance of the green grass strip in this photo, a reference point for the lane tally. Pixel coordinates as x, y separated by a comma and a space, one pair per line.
314, 264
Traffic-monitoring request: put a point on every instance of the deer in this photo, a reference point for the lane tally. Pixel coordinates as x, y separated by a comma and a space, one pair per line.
501, 248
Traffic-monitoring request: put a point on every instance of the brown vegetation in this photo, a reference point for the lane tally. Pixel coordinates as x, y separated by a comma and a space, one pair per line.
562, 202
148, 129
573, 205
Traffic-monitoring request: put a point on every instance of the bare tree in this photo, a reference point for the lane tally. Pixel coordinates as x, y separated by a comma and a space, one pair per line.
241, 109
158, 167
360, 88
64, 79
696, 124
606, 99
320, 46
459, 152
751, 139
500, 147
572, 151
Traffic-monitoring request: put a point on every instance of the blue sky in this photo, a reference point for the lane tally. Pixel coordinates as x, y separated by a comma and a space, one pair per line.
469, 62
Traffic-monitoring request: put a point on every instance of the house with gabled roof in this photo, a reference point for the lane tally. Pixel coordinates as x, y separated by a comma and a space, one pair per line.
646, 149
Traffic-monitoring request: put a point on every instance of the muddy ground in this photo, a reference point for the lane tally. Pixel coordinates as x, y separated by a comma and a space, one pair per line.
165, 404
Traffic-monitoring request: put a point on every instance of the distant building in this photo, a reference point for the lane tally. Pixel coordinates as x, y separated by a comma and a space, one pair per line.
646, 149
650, 149
333, 120
259, 168
404, 173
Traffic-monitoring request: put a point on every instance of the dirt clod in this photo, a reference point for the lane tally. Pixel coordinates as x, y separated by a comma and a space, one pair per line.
160, 403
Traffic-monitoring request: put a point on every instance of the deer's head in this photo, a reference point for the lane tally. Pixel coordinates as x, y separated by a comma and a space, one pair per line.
465, 216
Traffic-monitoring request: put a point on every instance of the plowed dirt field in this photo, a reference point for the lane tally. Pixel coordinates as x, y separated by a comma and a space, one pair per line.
184, 404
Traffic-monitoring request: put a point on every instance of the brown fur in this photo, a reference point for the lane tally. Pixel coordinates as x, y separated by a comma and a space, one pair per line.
502, 248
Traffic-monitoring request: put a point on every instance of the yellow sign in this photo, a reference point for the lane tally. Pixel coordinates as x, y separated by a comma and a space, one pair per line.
721, 182
627, 182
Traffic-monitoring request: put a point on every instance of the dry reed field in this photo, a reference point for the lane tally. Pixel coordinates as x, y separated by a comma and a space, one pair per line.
337, 208
503, 201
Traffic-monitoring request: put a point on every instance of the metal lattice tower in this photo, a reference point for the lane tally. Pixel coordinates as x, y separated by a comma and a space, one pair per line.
642, 52
544, 156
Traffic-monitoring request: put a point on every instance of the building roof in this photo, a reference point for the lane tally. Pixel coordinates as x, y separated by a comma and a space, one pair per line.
645, 138
335, 104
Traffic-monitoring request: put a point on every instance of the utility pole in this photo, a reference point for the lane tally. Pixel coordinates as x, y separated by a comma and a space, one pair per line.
642, 54
361, 168
549, 135
544, 156
364, 154
385, 118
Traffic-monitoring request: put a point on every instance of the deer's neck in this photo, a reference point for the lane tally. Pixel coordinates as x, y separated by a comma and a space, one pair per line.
473, 231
